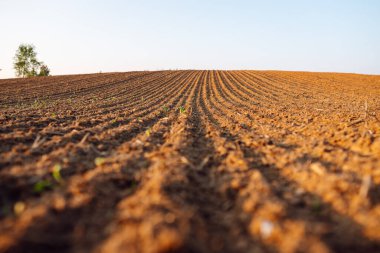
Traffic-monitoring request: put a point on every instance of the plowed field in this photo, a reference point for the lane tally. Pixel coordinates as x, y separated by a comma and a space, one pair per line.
190, 161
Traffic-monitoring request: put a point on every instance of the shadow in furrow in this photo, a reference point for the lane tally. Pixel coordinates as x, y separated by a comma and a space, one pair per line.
344, 235
80, 228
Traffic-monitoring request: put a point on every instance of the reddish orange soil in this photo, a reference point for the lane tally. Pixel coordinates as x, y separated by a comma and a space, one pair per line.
190, 161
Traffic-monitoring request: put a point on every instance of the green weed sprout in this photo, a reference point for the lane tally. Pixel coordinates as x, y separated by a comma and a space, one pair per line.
41, 186
148, 131
182, 109
57, 173
99, 161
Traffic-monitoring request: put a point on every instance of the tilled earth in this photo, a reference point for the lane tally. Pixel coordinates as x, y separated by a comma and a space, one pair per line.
190, 161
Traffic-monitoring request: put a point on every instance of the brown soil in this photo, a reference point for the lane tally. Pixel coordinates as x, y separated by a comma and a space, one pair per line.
190, 161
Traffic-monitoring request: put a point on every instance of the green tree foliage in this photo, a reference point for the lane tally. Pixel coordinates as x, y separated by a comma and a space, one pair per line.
44, 70
26, 63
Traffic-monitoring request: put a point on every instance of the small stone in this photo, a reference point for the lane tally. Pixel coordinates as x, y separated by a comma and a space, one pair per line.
266, 228
300, 191
19, 207
317, 168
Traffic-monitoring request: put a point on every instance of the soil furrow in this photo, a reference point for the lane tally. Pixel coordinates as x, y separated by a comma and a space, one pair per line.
190, 161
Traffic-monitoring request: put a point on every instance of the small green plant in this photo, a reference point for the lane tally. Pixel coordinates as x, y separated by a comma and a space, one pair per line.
99, 161
57, 173
46, 184
38, 104
42, 185
53, 115
148, 132
165, 109
182, 109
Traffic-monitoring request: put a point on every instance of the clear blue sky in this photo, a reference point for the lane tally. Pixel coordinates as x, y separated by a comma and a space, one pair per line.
83, 36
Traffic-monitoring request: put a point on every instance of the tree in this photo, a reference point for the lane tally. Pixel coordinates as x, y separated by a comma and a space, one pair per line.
44, 70
26, 63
